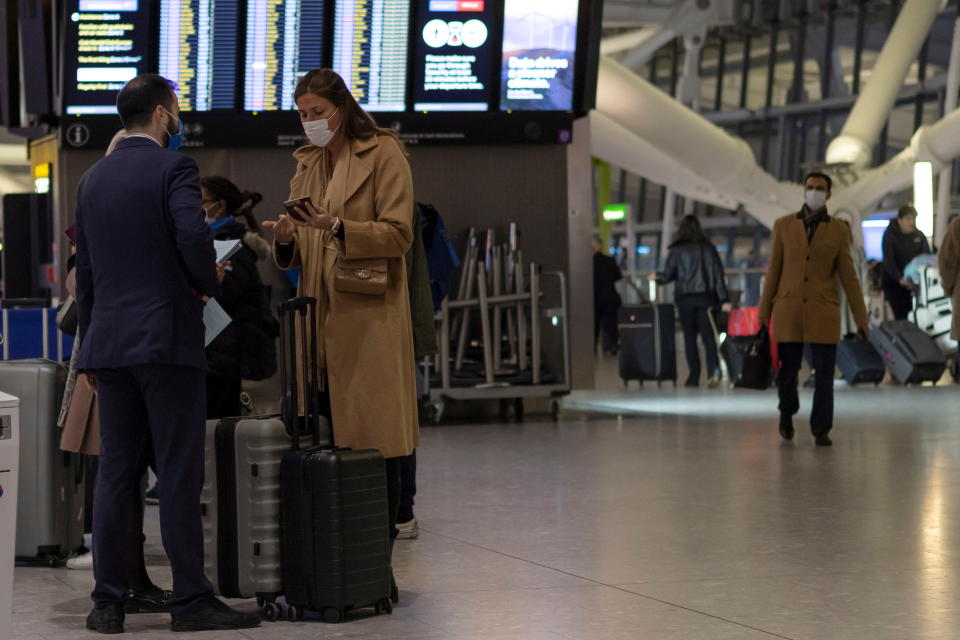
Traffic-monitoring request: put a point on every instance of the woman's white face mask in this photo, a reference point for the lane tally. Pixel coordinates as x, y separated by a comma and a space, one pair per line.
318, 131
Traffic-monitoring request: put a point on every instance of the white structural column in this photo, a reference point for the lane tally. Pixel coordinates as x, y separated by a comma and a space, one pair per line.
949, 104
855, 143
633, 39
721, 161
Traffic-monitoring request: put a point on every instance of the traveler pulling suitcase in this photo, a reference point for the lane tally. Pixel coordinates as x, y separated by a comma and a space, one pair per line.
647, 343
909, 353
335, 542
859, 362
50, 505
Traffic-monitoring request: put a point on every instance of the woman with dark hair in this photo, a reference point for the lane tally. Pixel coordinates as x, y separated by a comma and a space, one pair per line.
902, 242
246, 349
694, 265
358, 223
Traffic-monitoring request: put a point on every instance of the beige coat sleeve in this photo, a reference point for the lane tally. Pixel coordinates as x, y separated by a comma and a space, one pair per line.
391, 234
851, 286
948, 259
774, 271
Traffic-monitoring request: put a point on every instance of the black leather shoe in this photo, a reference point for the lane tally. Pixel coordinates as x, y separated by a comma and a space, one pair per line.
823, 440
213, 615
786, 427
152, 601
106, 620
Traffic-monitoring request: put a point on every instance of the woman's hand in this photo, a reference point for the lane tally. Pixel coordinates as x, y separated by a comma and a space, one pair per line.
314, 216
283, 228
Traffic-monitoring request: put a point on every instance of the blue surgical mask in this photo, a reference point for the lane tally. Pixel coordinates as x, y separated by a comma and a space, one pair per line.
175, 139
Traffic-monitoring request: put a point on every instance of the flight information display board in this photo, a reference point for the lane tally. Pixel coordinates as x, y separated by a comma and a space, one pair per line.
198, 51
370, 51
539, 55
107, 43
284, 41
455, 55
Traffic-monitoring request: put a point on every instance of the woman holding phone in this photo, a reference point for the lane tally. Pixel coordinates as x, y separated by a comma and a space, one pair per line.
349, 232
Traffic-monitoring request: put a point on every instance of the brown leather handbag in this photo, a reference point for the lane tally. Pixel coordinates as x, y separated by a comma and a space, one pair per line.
364, 276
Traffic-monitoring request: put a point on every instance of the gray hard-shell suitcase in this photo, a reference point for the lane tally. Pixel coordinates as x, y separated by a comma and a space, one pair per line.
50, 501
911, 355
240, 505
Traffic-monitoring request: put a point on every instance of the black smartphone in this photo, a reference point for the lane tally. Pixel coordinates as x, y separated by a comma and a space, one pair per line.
291, 207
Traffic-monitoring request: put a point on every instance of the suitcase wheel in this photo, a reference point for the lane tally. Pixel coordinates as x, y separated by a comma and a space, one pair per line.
272, 611
384, 606
332, 615
294, 613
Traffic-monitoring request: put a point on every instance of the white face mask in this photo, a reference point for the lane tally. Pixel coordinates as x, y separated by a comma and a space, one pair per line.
815, 199
318, 131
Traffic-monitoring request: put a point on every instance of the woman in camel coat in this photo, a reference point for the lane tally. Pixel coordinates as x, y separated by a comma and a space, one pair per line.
358, 226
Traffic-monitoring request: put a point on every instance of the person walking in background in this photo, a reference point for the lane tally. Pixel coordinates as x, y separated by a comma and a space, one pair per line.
361, 188
140, 298
606, 299
948, 262
246, 349
694, 265
811, 251
902, 242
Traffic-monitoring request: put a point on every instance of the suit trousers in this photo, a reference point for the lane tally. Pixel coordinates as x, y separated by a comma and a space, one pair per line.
824, 363
165, 405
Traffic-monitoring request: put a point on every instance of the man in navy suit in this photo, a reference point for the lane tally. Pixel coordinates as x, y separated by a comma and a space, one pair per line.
145, 264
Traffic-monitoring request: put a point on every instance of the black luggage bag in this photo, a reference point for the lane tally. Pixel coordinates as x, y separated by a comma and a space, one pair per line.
859, 362
909, 353
647, 343
335, 543
748, 359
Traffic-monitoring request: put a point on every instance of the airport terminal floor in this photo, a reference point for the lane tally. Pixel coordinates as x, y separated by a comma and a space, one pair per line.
661, 514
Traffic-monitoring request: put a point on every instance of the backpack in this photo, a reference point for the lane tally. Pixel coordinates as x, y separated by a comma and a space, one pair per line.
442, 257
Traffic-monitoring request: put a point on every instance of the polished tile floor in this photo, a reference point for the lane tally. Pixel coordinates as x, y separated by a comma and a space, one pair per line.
656, 514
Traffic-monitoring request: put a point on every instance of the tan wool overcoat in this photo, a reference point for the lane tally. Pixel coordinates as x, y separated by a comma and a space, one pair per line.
800, 290
365, 341
948, 261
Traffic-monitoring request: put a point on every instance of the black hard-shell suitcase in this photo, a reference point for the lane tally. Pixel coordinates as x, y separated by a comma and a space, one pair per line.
335, 540
748, 360
859, 362
648, 343
909, 353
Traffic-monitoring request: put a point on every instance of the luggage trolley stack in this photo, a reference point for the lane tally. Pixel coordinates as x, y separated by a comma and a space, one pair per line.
505, 337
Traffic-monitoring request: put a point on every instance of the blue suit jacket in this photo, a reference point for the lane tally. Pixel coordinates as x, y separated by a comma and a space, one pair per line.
144, 253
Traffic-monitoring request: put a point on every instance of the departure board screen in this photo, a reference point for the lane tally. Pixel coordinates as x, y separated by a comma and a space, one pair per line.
107, 44
539, 47
455, 55
198, 51
370, 51
284, 41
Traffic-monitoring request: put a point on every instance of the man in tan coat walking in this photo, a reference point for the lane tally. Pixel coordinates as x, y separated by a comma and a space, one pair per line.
811, 251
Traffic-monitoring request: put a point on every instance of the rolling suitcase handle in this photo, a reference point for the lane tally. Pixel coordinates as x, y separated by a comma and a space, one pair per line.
306, 309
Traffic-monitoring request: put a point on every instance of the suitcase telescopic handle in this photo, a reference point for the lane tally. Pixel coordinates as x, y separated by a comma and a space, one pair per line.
306, 310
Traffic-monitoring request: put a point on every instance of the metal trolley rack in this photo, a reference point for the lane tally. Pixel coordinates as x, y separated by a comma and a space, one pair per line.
522, 347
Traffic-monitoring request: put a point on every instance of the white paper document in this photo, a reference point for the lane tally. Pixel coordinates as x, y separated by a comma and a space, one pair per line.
215, 320
226, 248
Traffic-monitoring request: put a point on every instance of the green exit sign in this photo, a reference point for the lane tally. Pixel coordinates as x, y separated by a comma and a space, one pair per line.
616, 212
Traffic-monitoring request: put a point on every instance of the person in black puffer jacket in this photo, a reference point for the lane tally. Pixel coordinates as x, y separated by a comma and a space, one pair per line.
246, 350
902, 242
694, 265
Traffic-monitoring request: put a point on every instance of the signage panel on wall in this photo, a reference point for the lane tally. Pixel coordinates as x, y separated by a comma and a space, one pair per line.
108, 43
539, 55
198, 51
284, 40
370, 51
454, 59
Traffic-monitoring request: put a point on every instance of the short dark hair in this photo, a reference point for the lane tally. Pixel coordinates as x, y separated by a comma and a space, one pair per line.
139, 97
822, 176
907, 210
